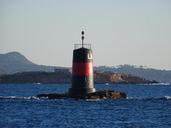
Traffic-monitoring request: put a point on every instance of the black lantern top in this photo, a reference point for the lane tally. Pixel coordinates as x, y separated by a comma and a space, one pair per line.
82, 37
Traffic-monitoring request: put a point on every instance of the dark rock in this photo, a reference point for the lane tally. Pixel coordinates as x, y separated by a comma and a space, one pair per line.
106, 94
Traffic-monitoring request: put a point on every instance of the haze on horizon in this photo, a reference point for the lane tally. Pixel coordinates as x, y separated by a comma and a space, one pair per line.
134, 32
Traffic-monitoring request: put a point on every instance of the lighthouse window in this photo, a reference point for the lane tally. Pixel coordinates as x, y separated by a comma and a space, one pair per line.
89, 56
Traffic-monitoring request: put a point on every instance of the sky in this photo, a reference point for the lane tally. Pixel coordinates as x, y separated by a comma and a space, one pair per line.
136, 32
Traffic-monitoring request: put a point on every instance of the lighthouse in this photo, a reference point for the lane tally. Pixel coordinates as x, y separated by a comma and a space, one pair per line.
82, 70
83, 79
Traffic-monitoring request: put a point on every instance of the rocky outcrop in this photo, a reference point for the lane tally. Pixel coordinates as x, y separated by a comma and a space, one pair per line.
109, 77
106, 94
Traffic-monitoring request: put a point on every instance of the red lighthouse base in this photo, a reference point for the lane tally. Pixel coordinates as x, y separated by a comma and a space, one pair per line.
82, 73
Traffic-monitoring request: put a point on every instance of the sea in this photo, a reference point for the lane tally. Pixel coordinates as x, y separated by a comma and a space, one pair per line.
147, 106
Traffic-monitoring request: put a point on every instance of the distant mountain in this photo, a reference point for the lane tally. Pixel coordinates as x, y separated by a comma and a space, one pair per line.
14, 62
143, 72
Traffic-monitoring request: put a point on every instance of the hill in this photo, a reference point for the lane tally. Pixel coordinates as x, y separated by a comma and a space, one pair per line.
14, 62
64, 76
147, 73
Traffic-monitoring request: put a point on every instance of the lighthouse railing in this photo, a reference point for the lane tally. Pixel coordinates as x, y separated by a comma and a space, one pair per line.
77, 46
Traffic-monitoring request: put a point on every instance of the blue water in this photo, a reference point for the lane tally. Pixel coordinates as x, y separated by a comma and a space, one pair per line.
147, 106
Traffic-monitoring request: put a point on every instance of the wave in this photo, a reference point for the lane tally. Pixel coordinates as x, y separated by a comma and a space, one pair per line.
94, 100
45, 98
167, 97
18, 98
159, 84
150, 98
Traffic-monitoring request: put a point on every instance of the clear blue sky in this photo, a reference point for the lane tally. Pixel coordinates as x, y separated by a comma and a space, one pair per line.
134, 32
